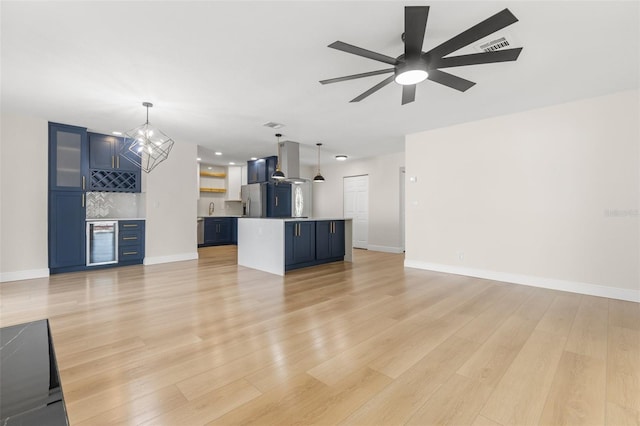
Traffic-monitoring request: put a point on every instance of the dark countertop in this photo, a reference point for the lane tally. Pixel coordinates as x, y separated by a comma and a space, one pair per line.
30, 391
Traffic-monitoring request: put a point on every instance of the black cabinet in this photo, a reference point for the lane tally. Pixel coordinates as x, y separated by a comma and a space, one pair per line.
67, 157
329, 239
260, 170
220, 231
279, 200
300, 244
110, 169
130, 242
67, 233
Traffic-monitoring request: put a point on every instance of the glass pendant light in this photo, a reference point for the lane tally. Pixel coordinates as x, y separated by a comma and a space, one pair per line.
146, 146
278, 175
319, 177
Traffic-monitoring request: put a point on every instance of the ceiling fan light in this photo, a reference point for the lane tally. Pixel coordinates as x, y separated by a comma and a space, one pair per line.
411, 77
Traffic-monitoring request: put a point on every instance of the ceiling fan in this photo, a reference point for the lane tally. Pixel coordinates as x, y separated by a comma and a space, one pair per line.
415, 66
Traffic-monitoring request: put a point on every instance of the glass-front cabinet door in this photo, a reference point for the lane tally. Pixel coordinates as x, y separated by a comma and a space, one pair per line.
67, 157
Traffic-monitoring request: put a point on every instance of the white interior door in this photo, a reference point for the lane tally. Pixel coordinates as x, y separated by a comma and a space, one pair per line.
356, 207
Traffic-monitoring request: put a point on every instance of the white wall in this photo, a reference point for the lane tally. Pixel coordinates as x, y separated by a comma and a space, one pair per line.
384, 196
547, 197
23, 198
171, 201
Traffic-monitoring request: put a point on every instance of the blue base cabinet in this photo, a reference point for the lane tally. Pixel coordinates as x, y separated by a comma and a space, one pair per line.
299, 244
329, 239
67, 233
260, 170
309, 243
130, 242
220, 231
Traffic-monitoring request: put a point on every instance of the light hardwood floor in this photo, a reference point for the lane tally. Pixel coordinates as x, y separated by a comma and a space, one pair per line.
368, 343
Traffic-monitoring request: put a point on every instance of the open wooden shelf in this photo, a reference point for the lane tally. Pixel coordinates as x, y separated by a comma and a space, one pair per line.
220, 190
213, 174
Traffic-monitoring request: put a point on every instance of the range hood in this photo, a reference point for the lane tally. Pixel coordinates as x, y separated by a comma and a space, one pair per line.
290, 162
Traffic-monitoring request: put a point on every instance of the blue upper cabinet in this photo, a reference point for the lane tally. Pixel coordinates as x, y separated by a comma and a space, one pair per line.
330, 239
256, 170
260, 170
299, 244
220, 231
67, 157
110, 170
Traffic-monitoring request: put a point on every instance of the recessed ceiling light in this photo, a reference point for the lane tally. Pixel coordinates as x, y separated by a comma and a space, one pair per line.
198, 159
231, 163
116, 133
218, 153
341, 157
254, 158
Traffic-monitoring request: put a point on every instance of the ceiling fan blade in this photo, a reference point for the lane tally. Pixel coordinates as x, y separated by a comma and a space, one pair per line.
450, 80
408, 93
354, 76
490, 25
415, 24
373, 89
477, 58
355, 50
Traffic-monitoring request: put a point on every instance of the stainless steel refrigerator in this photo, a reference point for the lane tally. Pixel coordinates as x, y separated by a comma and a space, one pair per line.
254, 200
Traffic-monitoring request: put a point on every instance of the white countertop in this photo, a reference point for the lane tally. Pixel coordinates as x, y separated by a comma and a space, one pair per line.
113, 218
298, 219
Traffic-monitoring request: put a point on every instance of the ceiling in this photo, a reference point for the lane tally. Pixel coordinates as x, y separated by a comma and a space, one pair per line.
217, 71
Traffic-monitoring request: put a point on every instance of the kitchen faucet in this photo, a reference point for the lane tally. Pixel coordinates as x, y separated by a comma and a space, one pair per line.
211, 208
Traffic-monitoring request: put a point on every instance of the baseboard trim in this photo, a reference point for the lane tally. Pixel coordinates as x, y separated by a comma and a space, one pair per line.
550, 283
168, 259
386, 249
28, 274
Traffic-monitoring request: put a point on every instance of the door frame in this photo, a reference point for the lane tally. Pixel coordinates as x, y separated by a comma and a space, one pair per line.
368, 205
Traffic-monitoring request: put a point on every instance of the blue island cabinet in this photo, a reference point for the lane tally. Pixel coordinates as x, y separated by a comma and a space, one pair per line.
299, 244
329, 240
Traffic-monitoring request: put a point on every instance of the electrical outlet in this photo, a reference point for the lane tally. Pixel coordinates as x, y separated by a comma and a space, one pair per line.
461, 256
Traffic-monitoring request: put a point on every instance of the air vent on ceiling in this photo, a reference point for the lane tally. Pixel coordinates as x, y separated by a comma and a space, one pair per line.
273, 125
494, 44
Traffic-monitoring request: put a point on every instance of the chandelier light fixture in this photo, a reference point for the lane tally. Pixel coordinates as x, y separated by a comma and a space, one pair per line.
278, 175
146, 146
318, 178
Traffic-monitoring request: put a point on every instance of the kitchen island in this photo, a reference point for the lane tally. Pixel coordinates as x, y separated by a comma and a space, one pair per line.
277, 245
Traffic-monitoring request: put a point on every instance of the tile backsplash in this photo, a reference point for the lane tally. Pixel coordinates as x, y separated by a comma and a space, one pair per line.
115, 205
